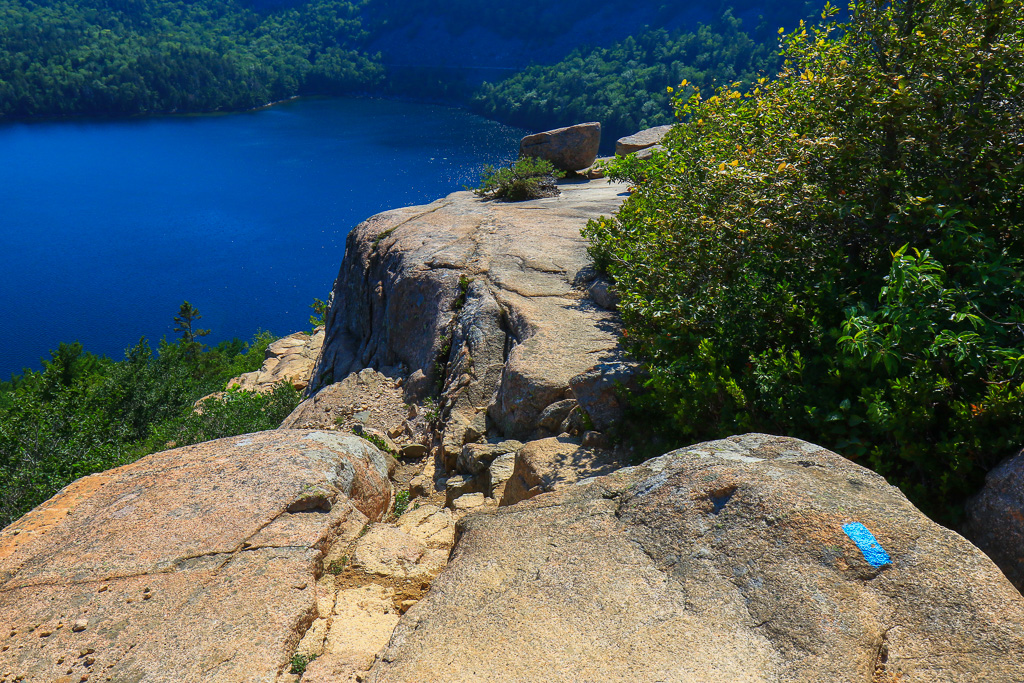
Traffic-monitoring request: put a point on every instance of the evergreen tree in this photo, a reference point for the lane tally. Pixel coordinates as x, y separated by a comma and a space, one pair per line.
183, 322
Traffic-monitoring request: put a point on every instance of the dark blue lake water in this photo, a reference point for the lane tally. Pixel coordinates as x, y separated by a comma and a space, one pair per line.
106, 227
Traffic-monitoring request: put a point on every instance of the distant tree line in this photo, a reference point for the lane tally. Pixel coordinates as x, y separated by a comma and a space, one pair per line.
128, 57
627, 86
123, 57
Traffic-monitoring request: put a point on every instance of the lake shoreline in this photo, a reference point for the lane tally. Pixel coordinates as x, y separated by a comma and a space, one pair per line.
109, 225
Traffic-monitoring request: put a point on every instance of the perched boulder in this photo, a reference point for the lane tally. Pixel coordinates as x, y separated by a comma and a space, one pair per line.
194, 564
995, 518
755, 559
550, 464
642, 140
569, 149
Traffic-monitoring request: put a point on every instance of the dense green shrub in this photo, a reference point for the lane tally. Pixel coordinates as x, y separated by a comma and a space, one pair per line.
86, 413
527, 178
836, 254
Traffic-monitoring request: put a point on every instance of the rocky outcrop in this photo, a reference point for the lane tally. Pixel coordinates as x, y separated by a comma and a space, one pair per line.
642, 140
485, 302
995, 518
195, 564
369, 582
755, 558
367, 399
289, 359
551, 464
573, 148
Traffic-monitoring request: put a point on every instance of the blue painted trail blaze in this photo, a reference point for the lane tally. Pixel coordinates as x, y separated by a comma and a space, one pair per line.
873, 551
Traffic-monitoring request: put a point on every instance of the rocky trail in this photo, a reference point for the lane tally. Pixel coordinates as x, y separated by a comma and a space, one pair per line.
450, 504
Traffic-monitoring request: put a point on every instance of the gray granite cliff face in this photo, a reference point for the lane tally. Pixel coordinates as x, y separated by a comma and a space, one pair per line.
487, 300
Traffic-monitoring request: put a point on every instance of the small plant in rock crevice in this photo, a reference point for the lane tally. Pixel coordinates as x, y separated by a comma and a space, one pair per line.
460, 298
338, 566
441, 365
383, 236
377, 441
300, 662
432, 411
401, 503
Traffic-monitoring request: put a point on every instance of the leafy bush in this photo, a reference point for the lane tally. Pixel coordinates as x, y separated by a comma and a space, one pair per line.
836, 254
234, 412
528, 178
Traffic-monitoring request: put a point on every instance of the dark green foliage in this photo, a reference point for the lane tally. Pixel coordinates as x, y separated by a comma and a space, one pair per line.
98, 57
528, 178
460, 298
836, 254
626, 86
401, 503
319, 313
541, 22
236, 412
376, 441
300, 662
86, 413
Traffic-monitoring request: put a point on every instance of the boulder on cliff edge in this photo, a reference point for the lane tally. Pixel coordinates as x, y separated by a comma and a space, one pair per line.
751, 559
569, 149
640, 141
194, 564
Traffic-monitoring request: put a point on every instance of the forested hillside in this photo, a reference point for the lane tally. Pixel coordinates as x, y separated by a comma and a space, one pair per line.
627, 86
105, 57
126, 57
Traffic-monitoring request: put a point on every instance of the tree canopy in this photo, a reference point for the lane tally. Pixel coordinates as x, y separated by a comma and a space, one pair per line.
85, 413
626, 86
111, 57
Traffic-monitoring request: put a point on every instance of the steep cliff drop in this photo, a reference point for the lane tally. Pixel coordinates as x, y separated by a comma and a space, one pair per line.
491, 309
